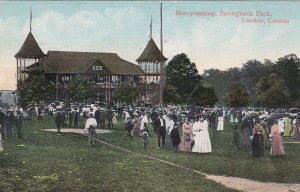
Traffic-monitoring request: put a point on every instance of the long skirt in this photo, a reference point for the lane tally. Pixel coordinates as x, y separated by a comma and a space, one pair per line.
1, 145
136, 131
245, 138
186, 141
258, 146
277, 147
297, 132
202, 142
168, 142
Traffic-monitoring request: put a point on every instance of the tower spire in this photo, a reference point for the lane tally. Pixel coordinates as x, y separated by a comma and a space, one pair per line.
30, 18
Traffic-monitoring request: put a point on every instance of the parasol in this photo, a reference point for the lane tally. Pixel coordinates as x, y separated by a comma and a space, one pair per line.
276, 115
250, 115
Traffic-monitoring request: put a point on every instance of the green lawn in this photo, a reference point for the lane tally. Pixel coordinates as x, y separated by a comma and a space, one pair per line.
28, 164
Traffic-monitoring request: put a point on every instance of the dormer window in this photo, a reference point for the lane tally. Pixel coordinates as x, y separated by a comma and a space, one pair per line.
97, 67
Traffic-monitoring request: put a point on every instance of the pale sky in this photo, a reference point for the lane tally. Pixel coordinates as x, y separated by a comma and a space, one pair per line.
123, 27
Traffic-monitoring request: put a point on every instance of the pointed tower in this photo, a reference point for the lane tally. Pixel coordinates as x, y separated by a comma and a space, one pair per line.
150, 62
29, 53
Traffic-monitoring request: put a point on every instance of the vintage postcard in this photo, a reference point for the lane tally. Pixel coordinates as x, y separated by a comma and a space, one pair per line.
149, 96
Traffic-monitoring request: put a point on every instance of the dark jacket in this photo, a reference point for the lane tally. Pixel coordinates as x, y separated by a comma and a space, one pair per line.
2, 117
110, 114
175, 136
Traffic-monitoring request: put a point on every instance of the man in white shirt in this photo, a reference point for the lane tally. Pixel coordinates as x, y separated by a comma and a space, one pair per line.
90, 126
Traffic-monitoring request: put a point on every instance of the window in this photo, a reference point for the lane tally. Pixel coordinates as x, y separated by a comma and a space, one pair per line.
97, 67
65, 78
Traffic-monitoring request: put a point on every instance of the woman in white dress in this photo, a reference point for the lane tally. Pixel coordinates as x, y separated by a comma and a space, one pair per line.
231, 118
220, 126
201, 137
281, 126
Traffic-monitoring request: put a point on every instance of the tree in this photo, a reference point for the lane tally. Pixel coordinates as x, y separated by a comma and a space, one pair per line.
36, 88
273, 92
203, 96
251, 72
182, 74
79, 89
171, 95
237, 97
125, 94
288, 68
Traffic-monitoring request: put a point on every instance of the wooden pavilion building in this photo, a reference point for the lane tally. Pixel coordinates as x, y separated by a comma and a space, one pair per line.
106, 70
150, 62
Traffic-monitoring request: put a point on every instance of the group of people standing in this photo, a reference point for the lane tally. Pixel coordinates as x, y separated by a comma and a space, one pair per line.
171, 133
70, 117
9, 120
259, 136
258, 142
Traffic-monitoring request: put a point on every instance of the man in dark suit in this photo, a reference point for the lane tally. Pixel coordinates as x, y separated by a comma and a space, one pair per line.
102, 119
161, 136
76, 118
110, 116
59, 121
2, 118
97, 117
9, 123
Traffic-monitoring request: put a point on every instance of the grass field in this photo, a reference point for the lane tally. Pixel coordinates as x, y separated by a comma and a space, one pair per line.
45, 161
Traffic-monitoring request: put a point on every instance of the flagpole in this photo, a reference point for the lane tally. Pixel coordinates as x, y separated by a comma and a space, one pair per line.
30, 18
151, 27
162, 66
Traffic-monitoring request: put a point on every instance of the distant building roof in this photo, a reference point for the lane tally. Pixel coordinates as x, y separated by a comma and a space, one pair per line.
151, 53
80, 62
30, 48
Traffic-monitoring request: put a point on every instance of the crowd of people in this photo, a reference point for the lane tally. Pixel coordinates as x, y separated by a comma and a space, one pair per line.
186, 129
177, 128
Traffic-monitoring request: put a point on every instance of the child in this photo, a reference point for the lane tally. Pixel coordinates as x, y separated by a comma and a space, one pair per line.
145, 136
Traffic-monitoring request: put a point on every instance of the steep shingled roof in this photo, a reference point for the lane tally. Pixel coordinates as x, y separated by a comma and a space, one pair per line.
30, 48
80, 62
151, 53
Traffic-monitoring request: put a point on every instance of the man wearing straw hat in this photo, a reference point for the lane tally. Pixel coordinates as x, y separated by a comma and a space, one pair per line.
90, 126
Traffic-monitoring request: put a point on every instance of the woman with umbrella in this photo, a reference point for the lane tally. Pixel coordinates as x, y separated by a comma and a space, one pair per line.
247, 127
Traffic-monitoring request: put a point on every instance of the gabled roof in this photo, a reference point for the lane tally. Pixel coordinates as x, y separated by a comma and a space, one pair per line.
151, 53
30, 48
80, 62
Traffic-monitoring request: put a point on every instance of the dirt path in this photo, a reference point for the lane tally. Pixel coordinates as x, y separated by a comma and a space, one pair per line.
253, 186
81, 131
241, 184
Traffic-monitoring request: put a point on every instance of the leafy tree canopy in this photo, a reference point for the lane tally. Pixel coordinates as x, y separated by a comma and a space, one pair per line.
171, 95
237, 97
79, 89
35, 88
273, 92
203, 96
182, 74
125, 94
